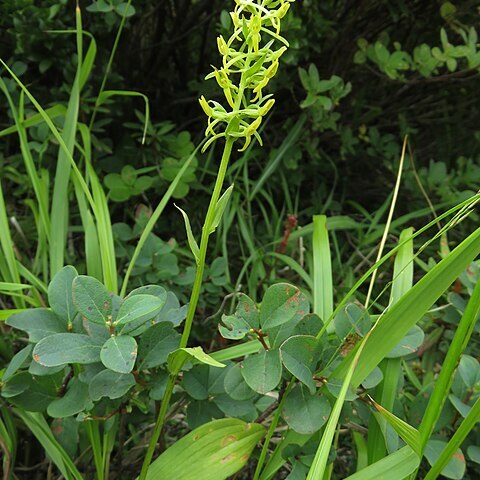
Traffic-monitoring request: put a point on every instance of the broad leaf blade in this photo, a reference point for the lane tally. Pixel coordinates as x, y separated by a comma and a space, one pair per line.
263, 371
214, 451
92, 299
282, 303
119, 353
60, 295
38, 323
63, 348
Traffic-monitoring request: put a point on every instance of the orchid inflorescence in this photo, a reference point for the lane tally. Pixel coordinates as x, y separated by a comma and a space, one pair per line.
252, 64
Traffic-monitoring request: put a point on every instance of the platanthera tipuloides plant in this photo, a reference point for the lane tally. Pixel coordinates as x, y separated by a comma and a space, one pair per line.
250, 59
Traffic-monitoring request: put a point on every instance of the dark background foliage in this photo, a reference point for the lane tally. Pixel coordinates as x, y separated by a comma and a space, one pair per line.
346, 155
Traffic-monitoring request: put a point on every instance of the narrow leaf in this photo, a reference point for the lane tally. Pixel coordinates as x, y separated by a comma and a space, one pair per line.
191, 239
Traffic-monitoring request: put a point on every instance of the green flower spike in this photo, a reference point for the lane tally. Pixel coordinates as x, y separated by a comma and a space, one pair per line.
249, 63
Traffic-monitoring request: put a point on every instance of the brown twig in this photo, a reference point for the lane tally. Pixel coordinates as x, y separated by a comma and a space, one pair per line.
7, 462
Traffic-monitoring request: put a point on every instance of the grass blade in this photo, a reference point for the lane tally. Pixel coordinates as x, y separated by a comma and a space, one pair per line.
322, 269
60, 203
395, 466
37, 424
409, 310
445, 378
386, 392
454, 444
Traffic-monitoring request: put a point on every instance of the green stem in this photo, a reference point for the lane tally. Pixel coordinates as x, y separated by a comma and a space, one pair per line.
271, 431
93, 432
197, 285
210, 217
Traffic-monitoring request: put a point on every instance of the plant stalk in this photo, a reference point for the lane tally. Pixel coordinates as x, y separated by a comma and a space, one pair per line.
271, 431
197, 285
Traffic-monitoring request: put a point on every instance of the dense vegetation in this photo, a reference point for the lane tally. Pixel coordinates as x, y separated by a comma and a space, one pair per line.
331, 301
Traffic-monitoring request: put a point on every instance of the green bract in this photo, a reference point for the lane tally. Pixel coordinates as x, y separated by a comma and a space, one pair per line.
250, 61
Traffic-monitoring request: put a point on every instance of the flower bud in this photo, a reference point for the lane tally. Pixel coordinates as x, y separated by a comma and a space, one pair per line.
252, 128
267, 107
272, 69
282, 11
205, 106
222, 46
255, 23
235, 19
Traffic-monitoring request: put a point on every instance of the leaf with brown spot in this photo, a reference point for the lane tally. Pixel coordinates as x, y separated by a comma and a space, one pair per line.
282, 303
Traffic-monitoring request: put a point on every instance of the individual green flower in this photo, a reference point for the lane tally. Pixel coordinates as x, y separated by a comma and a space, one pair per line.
249, 62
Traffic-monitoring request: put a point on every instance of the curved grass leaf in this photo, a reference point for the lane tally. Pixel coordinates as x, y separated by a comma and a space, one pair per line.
397, 465
398, 320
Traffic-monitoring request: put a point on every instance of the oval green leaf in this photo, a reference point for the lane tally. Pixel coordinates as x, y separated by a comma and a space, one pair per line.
38, 323
110, 384
63, 348
263, 371
305, 413
92, 299
139, 309
282, 303
60, 293
119, 353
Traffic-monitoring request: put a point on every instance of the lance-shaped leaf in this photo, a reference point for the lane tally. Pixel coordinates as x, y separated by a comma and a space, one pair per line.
119, 353
179, 357
220, 208
409, 434
191, 239
214, 451
399, 464
92, 299
63, 348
